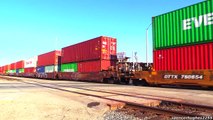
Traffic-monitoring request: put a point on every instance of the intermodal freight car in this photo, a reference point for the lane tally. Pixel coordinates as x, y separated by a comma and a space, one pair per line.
183, 48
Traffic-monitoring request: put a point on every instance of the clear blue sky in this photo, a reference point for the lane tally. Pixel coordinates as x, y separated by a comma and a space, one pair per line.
33, 27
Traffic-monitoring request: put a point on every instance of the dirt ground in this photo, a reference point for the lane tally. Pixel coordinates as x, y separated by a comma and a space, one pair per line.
21, 101
36, 99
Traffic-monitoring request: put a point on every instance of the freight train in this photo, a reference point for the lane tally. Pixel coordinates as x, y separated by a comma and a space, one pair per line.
91, 60
182, 53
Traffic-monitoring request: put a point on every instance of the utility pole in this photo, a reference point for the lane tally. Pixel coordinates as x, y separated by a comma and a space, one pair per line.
147, 44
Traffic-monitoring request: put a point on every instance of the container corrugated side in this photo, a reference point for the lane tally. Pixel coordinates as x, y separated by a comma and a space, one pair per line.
52, 68
20, 64
95, 66
31, 62
94, 49
30, 70
187, 26
1, 69
13, 66
40, 69
21, 70
69, 67
12, 71
50, 58
196, 57
6, 67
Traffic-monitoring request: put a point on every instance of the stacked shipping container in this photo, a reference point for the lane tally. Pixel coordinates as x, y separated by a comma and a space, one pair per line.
90, 56
49, 62
94, 49
12, 68
30, 65
20, 66
183, 38
93, 55
6, 68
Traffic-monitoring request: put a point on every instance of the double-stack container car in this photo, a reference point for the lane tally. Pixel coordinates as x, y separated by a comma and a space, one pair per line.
19, 67
7, 69
89, 60
12, 68
30, 67
48, 64
183, 47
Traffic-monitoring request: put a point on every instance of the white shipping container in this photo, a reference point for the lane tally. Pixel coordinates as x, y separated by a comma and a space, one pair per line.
31, 62
49, 69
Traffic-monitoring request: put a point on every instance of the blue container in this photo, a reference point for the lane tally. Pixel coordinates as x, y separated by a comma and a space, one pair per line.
17, 70
40, 69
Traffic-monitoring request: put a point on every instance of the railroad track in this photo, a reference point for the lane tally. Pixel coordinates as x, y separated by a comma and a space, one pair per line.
168, 108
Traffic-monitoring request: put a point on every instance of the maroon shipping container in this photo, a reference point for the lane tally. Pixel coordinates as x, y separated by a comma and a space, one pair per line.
196, 57
20, 64
30, 70
50, 58
13, 66
95, 49
95, 66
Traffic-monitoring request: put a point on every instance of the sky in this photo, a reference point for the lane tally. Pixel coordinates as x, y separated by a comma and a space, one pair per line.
32, 27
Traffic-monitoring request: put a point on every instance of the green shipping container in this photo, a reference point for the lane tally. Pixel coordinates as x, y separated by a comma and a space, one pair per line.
49, 69
187, 26
12, 71
70, 67
21, 70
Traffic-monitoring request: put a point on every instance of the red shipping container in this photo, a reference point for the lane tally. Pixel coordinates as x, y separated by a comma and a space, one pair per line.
95, 66
30, 70
13, 66
20, 64
104, 48
6, 67
50, 58
196, 57
1, 70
